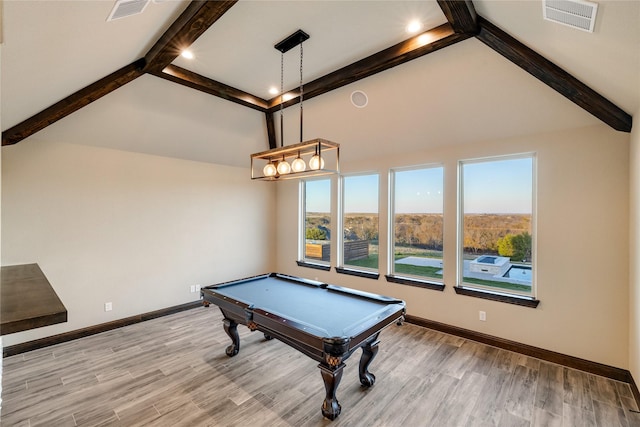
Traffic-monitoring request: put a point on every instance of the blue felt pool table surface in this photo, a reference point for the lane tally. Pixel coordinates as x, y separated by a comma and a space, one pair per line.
324, 310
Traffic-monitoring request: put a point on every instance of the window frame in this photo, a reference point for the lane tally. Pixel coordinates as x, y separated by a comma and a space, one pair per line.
408, 279
483, 291
342, 268
302, 260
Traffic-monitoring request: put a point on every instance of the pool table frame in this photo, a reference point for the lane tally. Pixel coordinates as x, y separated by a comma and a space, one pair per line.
330, 352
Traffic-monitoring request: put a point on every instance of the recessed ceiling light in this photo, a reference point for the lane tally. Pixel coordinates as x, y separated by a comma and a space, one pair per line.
187, 54
273, 90
414, 26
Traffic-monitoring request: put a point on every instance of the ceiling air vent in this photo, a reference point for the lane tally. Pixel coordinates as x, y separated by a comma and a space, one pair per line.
578, 14
124, 8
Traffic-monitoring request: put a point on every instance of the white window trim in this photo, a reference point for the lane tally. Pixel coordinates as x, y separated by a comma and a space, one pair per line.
340, 248
391, 228
302, 216
460, 225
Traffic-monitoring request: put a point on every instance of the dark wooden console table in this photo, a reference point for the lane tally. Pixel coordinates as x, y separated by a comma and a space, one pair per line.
27, 300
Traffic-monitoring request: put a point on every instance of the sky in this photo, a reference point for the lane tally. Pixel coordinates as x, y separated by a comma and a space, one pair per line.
318, 195
499, 186
361, 193
503, 186
419, 190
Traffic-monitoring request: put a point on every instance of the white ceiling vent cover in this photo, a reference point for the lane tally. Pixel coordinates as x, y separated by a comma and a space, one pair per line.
124, 8
578, 14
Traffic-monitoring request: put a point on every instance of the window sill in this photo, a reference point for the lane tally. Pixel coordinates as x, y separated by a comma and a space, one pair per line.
312, 265
415, 282
358, 273
496, 296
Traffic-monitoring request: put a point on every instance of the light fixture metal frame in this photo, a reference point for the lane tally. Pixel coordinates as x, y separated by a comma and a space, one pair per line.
327, 150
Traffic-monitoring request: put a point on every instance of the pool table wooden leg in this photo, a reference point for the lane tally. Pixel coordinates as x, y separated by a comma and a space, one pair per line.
231, 328
331, 377
369, 352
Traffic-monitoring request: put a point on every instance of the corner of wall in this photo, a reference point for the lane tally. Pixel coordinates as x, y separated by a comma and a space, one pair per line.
0, 192
634, 250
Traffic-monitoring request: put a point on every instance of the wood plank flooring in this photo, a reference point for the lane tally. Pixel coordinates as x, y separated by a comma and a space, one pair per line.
173, 371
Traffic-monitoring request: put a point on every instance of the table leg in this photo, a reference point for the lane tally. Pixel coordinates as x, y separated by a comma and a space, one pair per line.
369, 352
231, 328
331, 377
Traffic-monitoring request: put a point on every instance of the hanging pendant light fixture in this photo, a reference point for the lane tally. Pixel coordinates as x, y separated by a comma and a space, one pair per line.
322, 156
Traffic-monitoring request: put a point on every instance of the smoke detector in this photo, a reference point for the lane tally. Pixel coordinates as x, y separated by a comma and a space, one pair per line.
124, 8
578, 14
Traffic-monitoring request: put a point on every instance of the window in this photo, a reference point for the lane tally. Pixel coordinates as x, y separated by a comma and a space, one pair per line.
316, 220
496, 218
360, 223
417, 232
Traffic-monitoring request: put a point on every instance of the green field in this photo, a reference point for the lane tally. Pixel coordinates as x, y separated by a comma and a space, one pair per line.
433, 272
414, 270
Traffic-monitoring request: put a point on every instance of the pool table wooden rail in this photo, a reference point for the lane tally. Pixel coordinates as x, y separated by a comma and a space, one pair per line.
303, 336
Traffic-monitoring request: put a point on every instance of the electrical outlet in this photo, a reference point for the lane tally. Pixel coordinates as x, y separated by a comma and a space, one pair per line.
192, 288
482, 315
108, 306
198, 288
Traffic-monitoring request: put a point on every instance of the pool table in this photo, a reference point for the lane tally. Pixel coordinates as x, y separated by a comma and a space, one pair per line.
325, 322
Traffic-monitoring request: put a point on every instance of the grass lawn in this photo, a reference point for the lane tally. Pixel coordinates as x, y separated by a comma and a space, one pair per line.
415, 270
501, 285
372, 262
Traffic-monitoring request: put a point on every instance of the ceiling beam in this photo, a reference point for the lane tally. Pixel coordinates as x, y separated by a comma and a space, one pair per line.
553, 76
72, 103
271, 130
461, 15
204, 84
191, 24
400, 53
415, 47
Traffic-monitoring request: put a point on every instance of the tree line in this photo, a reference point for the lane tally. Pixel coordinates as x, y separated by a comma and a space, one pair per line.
503, 234
488, 233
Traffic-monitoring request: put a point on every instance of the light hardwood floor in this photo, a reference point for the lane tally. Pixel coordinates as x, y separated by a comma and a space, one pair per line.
173, 371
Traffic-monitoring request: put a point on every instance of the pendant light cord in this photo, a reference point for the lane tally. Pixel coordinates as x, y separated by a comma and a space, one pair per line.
301, 92
281, 97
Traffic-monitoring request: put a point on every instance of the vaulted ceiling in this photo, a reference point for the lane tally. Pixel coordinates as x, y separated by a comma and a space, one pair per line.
480, 70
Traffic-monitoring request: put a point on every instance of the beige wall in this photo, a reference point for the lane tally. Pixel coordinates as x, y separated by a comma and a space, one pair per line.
132, 229
582, 241
137, 230
634, 253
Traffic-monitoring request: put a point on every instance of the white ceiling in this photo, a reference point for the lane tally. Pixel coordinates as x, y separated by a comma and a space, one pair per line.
53, 48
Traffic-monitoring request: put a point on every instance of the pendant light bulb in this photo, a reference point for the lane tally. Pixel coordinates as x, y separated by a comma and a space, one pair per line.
316, 162
283, 167
298, 165
269, 169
